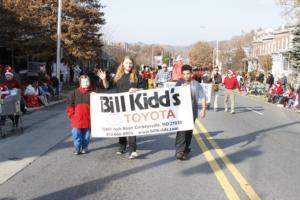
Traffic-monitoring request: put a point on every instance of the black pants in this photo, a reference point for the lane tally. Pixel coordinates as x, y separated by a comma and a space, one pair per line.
131, 143
13, 118
183, 140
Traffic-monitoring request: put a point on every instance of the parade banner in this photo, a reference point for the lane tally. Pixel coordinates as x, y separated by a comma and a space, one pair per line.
158, 60
169, 85
146, 112
207, 89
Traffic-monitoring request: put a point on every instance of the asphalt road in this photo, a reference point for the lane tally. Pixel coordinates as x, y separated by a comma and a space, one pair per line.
253, 154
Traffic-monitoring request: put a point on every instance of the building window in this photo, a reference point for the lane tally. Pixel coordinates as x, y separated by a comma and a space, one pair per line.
285, 63
260, 50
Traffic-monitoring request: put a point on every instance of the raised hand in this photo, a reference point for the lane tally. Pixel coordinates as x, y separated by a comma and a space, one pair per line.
101, 74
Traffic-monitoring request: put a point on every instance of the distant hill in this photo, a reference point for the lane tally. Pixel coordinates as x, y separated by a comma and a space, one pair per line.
175, 50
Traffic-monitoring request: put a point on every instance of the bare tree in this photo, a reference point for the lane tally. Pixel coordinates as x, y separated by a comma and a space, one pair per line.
292, 8
266, 62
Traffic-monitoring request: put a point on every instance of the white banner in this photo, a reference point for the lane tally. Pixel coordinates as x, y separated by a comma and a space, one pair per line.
207, 89
145, 112
158, 60
169, 85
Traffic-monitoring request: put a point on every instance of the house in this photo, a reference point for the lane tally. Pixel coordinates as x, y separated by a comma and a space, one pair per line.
275, 43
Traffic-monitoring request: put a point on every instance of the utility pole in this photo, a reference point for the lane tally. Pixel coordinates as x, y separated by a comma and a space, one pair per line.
58, 40
152, 55
217, 56
213, 58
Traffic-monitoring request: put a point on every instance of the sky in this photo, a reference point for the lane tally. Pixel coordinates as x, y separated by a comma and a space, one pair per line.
179, 22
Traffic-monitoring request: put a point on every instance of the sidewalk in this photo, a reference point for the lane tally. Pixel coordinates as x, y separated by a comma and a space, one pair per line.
63, 98
9, 130
42, 131
51, 103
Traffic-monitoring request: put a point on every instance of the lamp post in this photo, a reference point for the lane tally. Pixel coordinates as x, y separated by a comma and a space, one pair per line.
216, 56
58, 40
213, 58
152, 55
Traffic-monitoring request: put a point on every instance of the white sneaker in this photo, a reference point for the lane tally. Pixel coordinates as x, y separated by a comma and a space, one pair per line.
226, 109
232, 112
121, 151
85, 151
133, 155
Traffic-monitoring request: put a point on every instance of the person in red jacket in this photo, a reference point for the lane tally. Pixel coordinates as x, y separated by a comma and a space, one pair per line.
78, 110
231, 84
146, 75
11, 82
3, 93
278, 90
176, 71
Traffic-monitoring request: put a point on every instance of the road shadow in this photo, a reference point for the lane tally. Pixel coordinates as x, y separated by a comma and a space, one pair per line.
240, 109
249, 138
236, 157
241, 155
155, 144
91, 187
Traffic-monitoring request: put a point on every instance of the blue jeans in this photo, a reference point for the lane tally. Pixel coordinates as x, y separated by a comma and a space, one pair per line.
81, 138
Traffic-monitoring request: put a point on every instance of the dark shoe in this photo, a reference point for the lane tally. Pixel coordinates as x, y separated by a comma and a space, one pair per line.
188, 150
181, 156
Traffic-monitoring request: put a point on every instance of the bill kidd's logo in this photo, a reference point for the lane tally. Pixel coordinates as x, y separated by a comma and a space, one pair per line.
140, 102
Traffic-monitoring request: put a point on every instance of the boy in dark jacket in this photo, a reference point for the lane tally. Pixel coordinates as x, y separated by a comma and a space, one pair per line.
183, 138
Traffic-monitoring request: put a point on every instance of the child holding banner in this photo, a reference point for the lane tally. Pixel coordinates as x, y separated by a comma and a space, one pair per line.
127, 80
183, 138
78, 110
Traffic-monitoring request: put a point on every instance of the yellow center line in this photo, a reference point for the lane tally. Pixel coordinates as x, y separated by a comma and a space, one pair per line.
225, 184
234, 171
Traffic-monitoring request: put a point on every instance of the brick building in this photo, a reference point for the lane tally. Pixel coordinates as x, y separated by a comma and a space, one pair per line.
276, 43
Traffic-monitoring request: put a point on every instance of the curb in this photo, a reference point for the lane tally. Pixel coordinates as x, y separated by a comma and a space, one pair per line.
50, 105
271, 104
